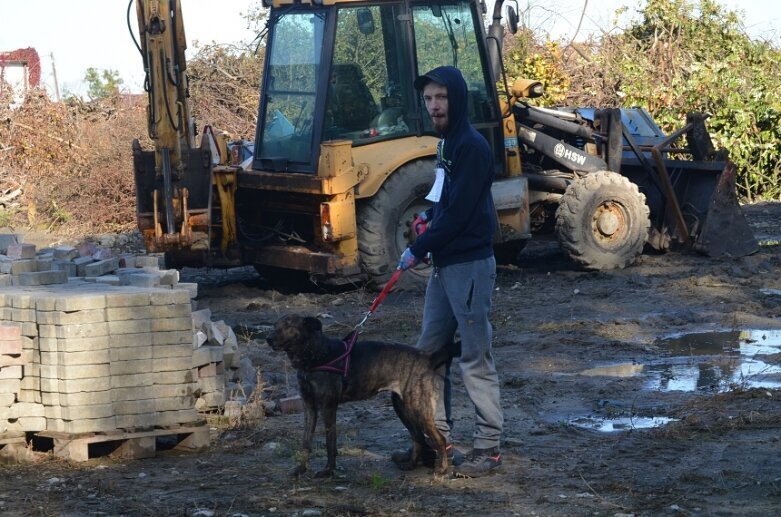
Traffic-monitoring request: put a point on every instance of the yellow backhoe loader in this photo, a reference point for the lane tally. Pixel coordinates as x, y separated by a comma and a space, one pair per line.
344, 152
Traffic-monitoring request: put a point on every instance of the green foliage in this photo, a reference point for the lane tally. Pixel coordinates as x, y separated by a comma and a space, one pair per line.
378, 482
102, 84
702, 61
6, 217
59, 214
447, 37
365, 50
525, 58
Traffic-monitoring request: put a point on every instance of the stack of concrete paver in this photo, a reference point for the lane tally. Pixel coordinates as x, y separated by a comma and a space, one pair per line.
22, 265
105, 358
19, 413
101, 343
216, 360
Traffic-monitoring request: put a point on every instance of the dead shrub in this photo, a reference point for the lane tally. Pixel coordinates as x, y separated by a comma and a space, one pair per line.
73, 161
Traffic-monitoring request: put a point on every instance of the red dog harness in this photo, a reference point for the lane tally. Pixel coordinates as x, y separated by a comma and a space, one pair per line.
340, 364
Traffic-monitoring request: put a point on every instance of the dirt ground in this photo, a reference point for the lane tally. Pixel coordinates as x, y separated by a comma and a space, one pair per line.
645, 391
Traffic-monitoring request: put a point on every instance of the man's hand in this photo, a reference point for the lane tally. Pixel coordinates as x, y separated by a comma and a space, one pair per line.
407, 260
420, 224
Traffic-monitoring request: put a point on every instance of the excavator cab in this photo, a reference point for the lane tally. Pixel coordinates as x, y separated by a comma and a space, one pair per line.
341, 74
346, 71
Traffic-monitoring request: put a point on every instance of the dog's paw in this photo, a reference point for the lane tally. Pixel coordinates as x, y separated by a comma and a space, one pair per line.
440, 478
442, 467
441, 472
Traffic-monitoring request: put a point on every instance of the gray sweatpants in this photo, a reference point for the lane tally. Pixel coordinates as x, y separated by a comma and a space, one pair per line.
458, 297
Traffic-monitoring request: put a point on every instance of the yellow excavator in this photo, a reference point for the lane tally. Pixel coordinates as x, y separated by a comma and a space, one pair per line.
343, 155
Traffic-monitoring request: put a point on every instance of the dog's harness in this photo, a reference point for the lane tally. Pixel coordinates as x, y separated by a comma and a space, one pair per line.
340, 364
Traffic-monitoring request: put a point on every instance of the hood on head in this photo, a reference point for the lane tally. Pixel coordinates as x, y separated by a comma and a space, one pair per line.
453, 80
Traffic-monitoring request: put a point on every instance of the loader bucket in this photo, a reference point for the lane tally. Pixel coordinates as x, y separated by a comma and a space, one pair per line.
689, 186
725, 231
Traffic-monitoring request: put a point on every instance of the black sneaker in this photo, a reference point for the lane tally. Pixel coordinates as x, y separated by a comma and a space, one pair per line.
427, 457
479, 463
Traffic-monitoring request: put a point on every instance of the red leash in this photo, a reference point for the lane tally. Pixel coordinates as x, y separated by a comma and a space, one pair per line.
352, 337
380, 297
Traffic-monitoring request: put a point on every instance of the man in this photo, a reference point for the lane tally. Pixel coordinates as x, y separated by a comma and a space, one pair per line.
456, 233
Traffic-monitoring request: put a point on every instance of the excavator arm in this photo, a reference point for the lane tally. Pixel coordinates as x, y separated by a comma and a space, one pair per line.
163, 42
175, 182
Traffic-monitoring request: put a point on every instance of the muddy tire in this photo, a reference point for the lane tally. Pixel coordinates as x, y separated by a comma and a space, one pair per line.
602, 221
384, 225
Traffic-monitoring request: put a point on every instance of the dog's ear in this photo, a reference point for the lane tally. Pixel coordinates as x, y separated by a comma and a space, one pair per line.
313, 324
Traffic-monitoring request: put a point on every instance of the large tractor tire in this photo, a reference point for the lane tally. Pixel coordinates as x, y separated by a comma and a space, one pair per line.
602, 221
384, 225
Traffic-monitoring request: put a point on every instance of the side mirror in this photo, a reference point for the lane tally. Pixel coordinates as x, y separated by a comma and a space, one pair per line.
365, 21
512, 20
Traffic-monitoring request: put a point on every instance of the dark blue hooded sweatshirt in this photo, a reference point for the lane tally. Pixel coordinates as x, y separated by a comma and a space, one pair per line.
463, 221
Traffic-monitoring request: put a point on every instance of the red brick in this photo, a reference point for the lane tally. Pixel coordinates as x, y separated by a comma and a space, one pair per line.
20, 251
289, 405
10, 332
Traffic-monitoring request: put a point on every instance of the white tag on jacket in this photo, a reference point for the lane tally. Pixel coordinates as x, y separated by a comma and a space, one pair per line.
436, 189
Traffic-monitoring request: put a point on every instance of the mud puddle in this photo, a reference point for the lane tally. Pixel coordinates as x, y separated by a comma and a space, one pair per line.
715, 362
718, 362
610, 425
709, 361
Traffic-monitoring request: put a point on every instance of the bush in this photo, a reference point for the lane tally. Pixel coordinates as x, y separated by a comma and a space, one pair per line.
72, 161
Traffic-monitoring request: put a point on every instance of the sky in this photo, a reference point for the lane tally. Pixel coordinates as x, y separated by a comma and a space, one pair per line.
78, 34
71, 36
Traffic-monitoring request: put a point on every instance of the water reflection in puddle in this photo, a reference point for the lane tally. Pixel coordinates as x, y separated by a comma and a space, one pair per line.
717, 361
608, 425
709, 361
615, 370
704, 362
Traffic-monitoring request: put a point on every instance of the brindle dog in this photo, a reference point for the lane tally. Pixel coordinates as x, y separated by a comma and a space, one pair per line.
327, 376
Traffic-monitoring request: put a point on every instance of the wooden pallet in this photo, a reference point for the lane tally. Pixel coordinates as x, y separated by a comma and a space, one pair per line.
124, 445
12, 440
13, 446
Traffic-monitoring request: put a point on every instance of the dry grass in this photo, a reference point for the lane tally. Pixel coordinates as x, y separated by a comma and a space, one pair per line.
71, 162
740, 409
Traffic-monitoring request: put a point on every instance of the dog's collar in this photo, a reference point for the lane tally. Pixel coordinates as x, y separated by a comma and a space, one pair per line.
342, 363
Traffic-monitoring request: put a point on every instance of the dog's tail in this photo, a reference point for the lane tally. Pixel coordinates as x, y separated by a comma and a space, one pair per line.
445, 354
